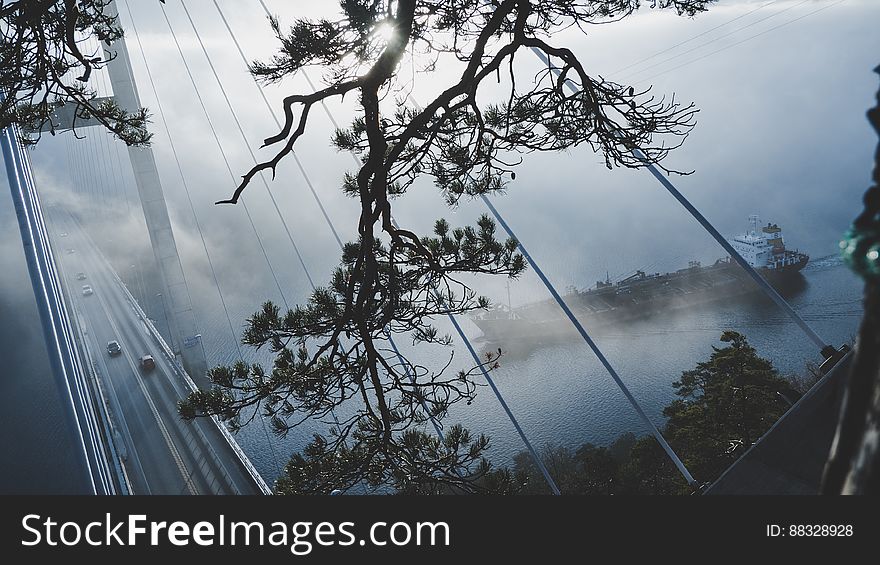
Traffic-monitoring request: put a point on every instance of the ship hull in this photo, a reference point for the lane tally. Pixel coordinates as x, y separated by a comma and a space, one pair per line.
654, 296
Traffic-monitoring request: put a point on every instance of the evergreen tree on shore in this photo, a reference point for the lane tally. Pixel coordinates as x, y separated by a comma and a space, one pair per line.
724, 406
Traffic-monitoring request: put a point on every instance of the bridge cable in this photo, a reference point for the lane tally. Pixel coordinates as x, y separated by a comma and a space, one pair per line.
222, 152
195, 216
697, 36
247, 142
228, 168
437, 426
713, 40
539, 463
771, 292
83, 155
77, 169
100, 184
69, 159
184, 182
655, 431
86, 187
129, 192
117, 180
97, 188
268, 190
74, 170
740, 42
253, 156
582, 331
114, 144
274, 115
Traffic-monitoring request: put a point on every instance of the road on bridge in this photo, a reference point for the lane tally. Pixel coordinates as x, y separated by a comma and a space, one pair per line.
161, 453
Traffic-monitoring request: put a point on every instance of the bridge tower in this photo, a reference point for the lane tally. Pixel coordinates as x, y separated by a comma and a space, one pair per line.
185, 338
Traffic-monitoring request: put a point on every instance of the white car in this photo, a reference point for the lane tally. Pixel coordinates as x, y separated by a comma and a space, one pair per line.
147, 363
87, 290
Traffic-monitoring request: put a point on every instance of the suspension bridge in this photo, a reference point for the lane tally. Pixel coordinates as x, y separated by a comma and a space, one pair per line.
123, 404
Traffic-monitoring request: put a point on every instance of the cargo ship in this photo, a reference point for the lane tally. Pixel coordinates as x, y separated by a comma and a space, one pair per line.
642, 294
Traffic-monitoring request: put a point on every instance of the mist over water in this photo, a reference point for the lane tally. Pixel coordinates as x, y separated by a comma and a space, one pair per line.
755, 150
562, 395
558, 390
39, 450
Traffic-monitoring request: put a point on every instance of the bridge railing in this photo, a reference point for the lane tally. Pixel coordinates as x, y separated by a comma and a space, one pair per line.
185, 378
100, 401
78, 404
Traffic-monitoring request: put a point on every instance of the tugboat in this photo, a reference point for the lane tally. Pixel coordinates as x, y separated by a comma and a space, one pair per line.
645, 294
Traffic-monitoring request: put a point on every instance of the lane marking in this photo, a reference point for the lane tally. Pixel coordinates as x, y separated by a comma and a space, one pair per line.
166, 436
105, 273
89, 333
130, 444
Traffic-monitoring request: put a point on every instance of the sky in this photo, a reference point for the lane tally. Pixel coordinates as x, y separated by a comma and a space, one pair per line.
782, 87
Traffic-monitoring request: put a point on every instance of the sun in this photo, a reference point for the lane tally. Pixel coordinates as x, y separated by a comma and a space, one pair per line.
385, 31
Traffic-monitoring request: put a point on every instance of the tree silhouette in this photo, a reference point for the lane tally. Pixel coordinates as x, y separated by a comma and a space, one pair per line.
44, 67
724, 405
334, 350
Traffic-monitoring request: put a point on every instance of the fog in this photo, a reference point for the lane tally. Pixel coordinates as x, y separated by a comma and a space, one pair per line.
39, 455
781, 132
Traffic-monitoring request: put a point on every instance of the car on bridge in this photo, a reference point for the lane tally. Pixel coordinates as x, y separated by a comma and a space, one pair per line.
80, 276
147, 363
113, 348
71, 251
87, 290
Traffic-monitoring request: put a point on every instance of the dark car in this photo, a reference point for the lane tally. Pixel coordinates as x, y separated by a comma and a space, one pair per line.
147, 363
113, 348
80, 276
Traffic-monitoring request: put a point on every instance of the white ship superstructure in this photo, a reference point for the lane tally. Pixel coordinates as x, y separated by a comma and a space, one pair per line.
764, 248
645, 294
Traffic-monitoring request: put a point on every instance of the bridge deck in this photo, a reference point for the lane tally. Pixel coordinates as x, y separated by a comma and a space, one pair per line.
162, 453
